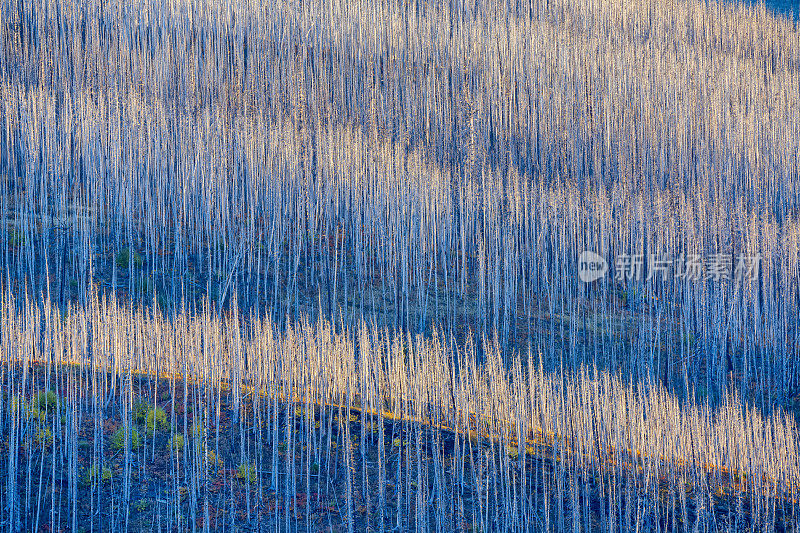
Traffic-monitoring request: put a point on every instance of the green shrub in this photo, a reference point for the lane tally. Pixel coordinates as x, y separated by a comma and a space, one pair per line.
16, 238
118, 439
124, 258
163, 303
140, 411
47, 400
43, 437
211, 459
33, 412
198, 430
26, 410
202, 451
246, 473
91, 473
176, 442
14, 405
156, 419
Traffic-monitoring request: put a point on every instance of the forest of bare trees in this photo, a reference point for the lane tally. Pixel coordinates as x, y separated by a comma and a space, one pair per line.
306, 265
